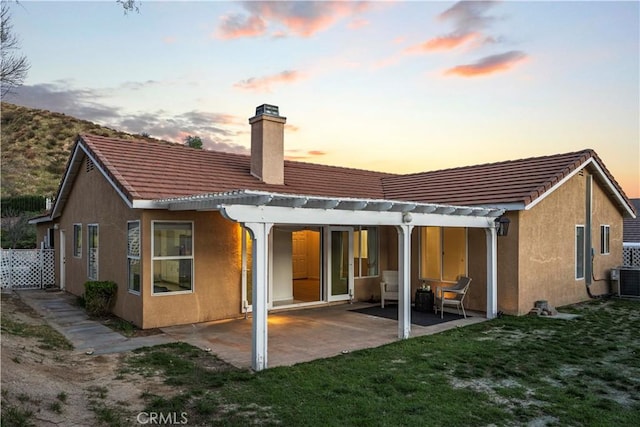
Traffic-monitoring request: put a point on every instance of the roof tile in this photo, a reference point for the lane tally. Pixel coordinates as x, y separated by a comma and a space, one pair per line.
158, 170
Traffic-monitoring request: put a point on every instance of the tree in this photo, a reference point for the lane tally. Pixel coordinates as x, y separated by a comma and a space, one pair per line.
193, 142
129, 5
16, 232
13, 67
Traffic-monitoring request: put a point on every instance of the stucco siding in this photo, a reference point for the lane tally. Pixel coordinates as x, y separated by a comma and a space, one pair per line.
605, 213
217, 290
548, 244
94, 201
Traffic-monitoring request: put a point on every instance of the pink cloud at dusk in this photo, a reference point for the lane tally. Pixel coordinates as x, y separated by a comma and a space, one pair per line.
301, 155
447, 42
488, 65
263, 84
301, 19
469, 20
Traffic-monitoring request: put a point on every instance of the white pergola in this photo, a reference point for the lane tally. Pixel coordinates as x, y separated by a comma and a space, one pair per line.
259, 211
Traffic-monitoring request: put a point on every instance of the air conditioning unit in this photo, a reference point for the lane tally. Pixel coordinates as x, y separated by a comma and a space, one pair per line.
626, 281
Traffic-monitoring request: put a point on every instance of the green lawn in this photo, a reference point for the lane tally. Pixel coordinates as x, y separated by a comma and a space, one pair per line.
509, 371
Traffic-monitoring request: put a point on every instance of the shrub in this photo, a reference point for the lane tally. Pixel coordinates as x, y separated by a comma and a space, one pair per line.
99, 297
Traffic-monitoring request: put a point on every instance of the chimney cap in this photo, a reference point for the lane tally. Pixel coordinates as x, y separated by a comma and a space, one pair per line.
267, 109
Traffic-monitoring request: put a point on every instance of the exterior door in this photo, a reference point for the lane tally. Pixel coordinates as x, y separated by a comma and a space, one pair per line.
299, 254
340, 260
63, 259
247, 272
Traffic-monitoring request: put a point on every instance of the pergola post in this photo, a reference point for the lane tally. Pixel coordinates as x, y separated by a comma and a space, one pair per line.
404, 280
492, 272
260, 238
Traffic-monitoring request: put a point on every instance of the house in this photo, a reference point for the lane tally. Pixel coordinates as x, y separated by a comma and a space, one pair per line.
194, 235
631, 239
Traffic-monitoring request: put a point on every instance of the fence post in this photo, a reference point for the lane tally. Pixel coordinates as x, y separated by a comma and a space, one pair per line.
10, 268
41, 268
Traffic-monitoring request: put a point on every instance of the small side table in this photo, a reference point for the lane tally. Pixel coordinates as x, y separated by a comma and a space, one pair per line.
424, 300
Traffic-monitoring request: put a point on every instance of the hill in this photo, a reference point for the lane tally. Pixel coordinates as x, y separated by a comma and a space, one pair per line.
36, 145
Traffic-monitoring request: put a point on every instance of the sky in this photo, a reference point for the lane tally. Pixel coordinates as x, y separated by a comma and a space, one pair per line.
390, 86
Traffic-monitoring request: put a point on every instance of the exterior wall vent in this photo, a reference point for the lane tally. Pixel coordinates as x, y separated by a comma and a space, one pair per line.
89, 165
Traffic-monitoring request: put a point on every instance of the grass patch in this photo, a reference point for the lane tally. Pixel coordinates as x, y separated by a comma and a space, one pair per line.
49, 338
119, 325
16, 417
108, 415
195, 374
508, 371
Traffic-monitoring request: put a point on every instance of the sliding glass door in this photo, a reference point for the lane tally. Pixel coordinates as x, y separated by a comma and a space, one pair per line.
340, 263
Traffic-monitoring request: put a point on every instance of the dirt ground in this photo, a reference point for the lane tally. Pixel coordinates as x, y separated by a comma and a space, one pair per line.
64, 387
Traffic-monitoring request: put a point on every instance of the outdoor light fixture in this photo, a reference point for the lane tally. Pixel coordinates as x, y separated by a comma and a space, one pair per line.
502, 225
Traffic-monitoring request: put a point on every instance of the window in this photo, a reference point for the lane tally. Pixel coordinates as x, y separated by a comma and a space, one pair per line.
365, 251
443, 253
172, 257
580, 251
605, 230
50, 238
77, 240
133, 255
92, 251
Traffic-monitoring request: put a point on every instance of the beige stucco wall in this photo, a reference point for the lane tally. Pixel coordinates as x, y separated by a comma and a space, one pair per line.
94, 201
547, 245
217, 290
605, 213
507, 268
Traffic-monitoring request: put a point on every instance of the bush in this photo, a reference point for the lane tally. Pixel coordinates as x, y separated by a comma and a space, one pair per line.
99, 297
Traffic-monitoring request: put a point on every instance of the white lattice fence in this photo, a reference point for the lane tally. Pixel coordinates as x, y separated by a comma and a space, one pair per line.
27, 268
631, 255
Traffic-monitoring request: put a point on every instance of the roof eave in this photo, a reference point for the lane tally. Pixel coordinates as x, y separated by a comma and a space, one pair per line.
71, 172
615, 192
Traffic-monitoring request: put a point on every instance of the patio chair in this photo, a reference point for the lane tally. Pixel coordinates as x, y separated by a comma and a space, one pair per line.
453, 296
388, 286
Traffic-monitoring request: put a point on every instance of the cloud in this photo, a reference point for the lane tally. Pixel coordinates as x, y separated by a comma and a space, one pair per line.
61, 97
302, 155
469, 20
238, 26
297, 18
448, 42
218, 131
488, 65
263, 84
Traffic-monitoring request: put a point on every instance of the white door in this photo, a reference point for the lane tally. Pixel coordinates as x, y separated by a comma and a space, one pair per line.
299, 254
247, 272
340, 264
63, 259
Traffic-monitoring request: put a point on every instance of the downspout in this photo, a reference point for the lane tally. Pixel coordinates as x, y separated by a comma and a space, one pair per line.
589, 273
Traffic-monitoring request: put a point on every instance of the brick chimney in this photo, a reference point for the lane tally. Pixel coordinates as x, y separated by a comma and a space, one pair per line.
267, 144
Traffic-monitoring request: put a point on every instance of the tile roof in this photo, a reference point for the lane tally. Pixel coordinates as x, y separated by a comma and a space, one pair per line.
631, 226
515, 182
145, 170
148, 171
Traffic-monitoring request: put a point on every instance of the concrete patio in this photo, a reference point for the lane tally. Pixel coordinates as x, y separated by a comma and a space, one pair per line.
303, 335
